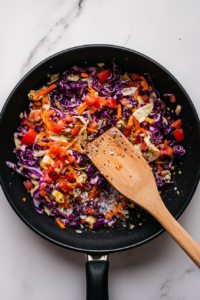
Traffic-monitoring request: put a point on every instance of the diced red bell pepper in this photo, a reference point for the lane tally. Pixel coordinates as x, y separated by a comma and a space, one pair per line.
64, 186
103, 75
28, 122
111, 103
126, 132
163, 105
78, 123
145, 98
93, 124
43, 193
172, 98
37, 115
29, 138
59, 126
137, 83
68, 118
130, 83
83, 221
93, 109
90, 99
143, 146
177, 124
178, 133
56, 149
169, 151
74, 131
42, 187
100, 102
69, 176
71, 159
59, 163
28, 185
50, 112
46, 177
137, 138
160, 170
135, 76
161, 156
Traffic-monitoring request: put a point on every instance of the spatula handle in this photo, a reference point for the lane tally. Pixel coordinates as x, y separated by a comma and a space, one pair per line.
178, 233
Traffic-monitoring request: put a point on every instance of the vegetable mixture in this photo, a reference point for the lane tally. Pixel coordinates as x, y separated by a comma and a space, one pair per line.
74, 109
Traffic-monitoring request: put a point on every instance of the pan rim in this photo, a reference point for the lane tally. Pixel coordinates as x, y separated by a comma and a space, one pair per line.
117, 249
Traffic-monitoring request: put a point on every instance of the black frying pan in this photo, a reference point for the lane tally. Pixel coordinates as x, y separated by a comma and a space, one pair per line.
103, 241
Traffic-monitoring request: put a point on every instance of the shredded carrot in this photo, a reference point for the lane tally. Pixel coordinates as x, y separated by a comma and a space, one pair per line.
119, 111
130, 122
24, 199
136, 94
43, 144
82, 108
165, 144
60, 223
34, 107
132, 133
65, 144
168, 118
47, 121
77, 148
150, 121
92, 130
137, 124
145, 87
84, 75
72, 171
41, 135
76, 165
52, 87
44, 99
94, 188
38, 103
47, 199
116, 210
91, 90
142, 130
133, 110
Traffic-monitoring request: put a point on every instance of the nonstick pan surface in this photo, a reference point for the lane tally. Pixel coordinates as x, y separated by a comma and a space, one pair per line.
103, 240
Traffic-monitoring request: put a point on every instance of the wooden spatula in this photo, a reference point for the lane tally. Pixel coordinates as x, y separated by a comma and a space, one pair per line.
126, 169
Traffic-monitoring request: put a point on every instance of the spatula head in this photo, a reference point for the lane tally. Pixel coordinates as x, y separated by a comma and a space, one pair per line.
123, 166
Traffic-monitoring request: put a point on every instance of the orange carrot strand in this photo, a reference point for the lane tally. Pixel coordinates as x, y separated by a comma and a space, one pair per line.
60, 223
145, 87
136, 94
52, 87
92, 130
137, 124
119, 111
84, 75
165, 144
94, 188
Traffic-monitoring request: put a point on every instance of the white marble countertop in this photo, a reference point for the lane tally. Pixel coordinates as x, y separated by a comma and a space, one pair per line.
32, 268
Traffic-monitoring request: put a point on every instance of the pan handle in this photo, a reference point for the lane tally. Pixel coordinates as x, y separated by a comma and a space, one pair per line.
97, 277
